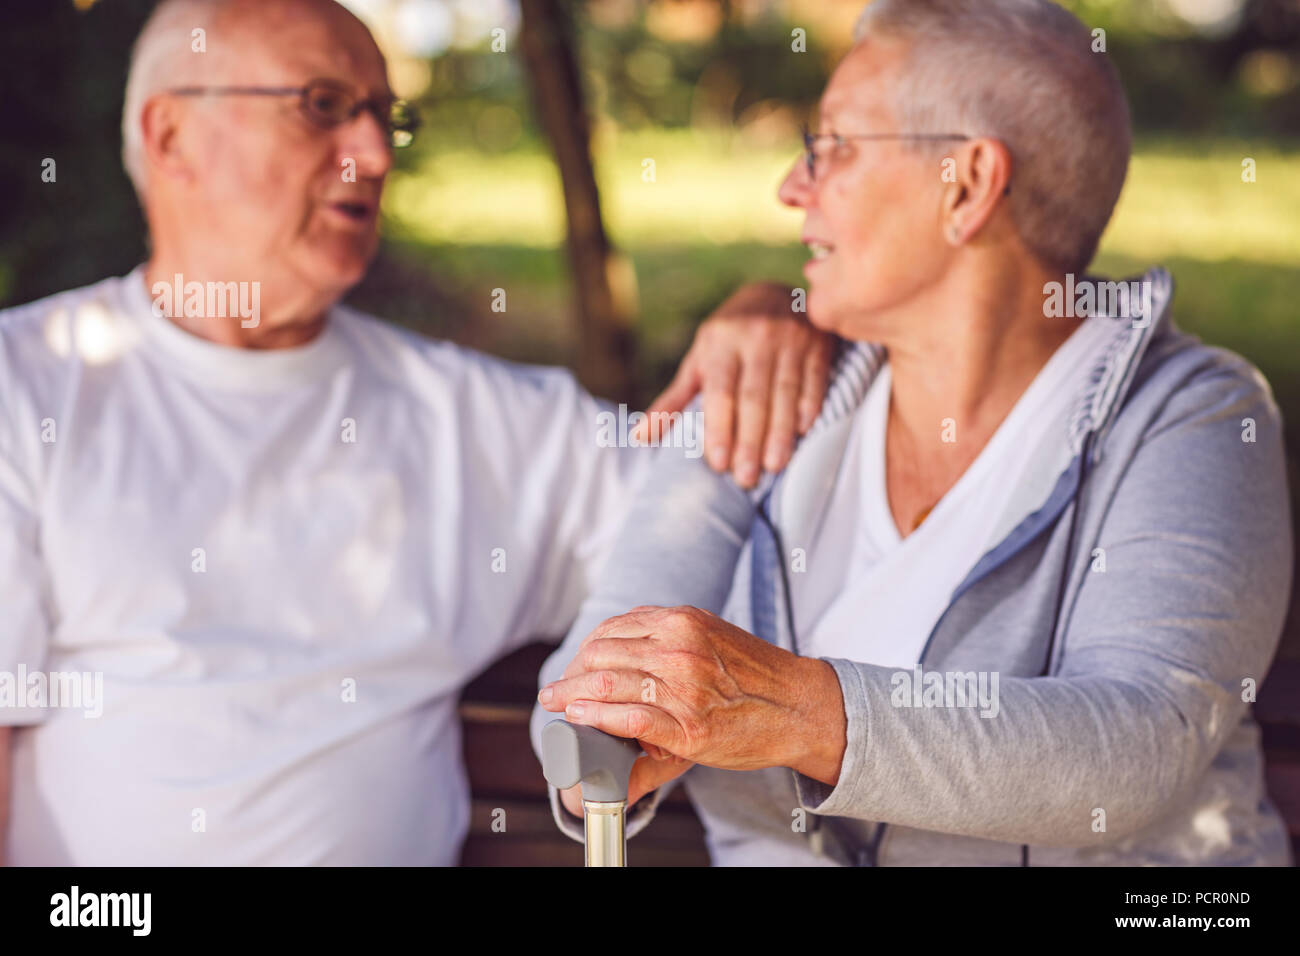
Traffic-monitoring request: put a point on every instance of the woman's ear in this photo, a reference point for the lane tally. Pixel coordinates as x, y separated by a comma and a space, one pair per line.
982, 179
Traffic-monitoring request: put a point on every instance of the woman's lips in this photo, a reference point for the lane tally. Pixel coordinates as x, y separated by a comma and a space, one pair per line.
820, 252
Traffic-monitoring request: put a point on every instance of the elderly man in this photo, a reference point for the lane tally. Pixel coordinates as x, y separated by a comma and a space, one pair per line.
248, 560
1007, 604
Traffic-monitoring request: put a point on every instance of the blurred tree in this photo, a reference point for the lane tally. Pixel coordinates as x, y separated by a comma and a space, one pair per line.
606, 354
63, 72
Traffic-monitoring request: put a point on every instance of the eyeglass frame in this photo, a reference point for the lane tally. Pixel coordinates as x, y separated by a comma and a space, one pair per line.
302, 92
809, 138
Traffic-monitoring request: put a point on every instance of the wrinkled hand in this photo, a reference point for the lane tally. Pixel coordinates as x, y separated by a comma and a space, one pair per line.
762, 369
689, 684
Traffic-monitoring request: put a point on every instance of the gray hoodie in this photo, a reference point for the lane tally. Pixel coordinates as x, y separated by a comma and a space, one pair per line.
1132, 606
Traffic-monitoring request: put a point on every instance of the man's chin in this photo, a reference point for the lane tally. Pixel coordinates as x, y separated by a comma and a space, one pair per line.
342, 272
353, 272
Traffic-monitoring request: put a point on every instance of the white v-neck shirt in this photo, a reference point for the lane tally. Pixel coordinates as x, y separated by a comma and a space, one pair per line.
896, 588
285, 565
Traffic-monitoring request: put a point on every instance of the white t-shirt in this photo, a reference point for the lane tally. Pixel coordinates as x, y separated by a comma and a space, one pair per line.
897, 588
285, 564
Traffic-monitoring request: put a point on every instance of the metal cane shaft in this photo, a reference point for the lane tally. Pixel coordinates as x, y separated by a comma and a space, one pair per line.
606, 838
573, 754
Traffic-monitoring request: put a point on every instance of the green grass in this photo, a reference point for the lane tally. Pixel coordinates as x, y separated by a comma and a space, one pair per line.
1182, 198
706, 188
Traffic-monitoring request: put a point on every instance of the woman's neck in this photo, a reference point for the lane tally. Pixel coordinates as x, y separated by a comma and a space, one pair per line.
972, 355
955, 375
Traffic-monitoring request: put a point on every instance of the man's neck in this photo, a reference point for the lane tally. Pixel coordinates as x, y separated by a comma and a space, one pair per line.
248, 315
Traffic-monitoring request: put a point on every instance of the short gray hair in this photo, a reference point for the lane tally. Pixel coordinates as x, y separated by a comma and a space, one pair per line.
162, 57
1022, 72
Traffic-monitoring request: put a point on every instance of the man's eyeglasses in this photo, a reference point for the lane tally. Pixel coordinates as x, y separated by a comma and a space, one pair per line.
810, 140
328, 104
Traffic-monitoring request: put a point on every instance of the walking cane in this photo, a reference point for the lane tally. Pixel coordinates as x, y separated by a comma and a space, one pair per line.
573, 754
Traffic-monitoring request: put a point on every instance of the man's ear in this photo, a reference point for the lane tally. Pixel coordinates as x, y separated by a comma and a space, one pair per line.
983, 179
160, 125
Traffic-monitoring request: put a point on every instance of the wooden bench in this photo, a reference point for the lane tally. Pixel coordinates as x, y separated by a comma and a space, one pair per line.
505, 775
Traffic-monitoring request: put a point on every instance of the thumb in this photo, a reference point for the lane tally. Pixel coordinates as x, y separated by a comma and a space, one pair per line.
649, 775
684, 386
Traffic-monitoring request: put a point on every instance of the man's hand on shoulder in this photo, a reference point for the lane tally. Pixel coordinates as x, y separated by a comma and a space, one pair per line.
762, 369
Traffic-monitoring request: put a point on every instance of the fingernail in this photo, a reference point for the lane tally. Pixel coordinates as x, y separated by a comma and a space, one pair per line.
746, 472
773, 457
807, 415
576, 710
546, 695
717, 457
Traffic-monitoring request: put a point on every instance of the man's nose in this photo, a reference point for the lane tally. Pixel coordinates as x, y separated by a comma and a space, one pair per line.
796, 188
367, 141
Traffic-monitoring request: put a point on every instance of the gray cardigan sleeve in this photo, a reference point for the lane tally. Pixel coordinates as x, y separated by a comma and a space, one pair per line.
1153, 658
679, 545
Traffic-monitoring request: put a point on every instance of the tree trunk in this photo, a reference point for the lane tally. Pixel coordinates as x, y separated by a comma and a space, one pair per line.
604, 296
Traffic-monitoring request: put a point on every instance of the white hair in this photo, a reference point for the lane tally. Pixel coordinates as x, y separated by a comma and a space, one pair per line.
1022, 72
163, 57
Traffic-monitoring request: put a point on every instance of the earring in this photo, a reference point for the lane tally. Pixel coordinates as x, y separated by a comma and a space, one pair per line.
953, 234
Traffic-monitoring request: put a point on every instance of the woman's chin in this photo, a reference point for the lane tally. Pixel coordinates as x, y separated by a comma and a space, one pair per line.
823, 314
821, 320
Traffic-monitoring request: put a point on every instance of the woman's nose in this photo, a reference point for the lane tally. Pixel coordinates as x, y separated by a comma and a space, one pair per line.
796, 188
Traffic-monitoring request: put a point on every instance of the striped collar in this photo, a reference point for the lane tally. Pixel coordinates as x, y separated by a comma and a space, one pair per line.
1108, 382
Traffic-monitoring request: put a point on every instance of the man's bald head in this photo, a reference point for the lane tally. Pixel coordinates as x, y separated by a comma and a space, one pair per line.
167, 52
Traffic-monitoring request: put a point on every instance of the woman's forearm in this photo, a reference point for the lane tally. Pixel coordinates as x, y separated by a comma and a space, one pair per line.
821, 723
1056, 752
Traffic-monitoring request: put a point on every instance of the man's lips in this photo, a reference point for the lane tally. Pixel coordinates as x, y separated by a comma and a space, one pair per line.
358, 211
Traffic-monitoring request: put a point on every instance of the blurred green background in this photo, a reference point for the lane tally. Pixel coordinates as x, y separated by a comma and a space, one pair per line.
712, 91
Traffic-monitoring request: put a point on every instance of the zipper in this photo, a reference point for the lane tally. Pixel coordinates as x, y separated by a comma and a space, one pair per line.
1073, 502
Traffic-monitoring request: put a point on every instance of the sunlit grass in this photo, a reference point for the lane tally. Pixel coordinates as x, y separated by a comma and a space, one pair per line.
1181, 200
699, 188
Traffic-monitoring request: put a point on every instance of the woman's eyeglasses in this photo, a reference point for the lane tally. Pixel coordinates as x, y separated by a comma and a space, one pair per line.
811, 139
327, 104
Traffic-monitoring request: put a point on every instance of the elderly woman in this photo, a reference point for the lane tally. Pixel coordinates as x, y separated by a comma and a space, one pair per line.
1009, 602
